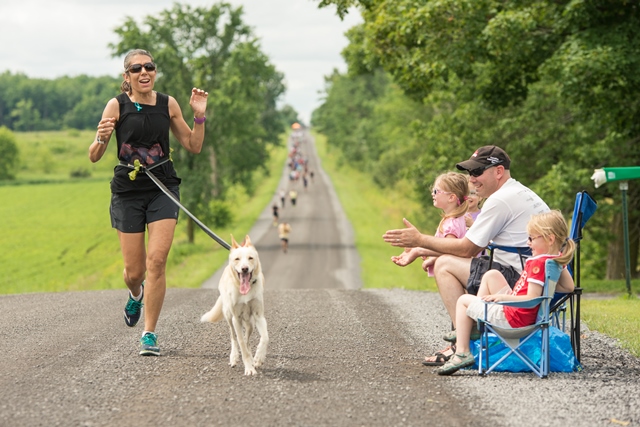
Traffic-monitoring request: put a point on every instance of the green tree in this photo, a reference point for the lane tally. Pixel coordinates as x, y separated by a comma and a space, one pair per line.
348, 103
10, 159
40, 104
95, 92
25, 117
213, 49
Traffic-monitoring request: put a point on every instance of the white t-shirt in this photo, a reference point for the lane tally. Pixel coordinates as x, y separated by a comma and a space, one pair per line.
504, 219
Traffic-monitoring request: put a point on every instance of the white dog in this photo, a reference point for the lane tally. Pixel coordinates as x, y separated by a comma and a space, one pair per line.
241, 304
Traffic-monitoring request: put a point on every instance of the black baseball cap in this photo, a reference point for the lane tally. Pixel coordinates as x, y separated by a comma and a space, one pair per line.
489, 155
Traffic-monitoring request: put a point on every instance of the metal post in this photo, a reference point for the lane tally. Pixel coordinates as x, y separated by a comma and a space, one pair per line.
624, 186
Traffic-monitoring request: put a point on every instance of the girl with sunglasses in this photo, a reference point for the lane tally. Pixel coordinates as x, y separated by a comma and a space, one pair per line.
548, 238
449, 193
141, 119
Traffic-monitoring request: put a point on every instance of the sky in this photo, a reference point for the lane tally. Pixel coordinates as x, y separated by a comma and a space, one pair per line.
49, 39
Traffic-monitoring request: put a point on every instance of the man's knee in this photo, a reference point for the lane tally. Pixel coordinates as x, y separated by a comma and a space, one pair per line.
452, 265
450, 272
444, 265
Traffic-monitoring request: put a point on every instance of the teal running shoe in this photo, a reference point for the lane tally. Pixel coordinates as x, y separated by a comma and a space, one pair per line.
133, 309
149, 345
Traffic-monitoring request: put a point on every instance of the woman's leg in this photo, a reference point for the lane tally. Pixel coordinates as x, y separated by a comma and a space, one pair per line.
160, 240
134, 257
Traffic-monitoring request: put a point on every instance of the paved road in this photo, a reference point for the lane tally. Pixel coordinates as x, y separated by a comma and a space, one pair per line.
321, 251
338, 356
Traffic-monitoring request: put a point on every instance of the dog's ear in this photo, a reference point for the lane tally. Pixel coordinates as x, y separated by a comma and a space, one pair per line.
247, 241
234, 244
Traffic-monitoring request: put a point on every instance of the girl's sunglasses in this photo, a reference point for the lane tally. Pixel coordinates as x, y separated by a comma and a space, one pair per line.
136, 68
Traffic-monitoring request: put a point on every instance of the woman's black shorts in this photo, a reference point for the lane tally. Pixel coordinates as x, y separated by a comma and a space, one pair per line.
131, 212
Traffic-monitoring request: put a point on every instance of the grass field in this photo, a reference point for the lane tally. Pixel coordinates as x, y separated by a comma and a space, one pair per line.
52, 156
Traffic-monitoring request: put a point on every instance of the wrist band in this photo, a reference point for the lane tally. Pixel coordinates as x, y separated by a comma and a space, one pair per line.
99, 141
199, 120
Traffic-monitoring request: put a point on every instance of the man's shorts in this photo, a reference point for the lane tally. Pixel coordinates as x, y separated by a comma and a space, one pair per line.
479, 266
131, 212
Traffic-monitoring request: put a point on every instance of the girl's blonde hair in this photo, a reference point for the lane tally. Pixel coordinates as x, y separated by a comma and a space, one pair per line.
125, 86
552, 223
457, 184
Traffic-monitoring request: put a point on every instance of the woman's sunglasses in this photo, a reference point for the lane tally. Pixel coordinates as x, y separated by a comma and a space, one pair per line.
136, 68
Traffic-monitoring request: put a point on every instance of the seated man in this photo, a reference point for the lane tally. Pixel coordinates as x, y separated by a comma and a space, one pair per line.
506, 211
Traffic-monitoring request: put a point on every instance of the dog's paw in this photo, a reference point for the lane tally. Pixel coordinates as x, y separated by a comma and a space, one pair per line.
250, 370
234, 358
257, 362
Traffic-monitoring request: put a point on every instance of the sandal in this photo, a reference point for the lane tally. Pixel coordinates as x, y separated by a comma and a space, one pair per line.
452, 336
457, 362
439, 358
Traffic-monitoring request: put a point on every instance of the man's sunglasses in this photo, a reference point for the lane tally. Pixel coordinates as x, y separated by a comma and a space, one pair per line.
479, 171
136, 68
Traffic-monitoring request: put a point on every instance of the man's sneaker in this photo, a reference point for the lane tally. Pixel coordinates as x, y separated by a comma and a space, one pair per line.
149, 345
133, 309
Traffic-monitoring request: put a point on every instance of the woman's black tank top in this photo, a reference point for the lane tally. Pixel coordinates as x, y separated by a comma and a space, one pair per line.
142, 133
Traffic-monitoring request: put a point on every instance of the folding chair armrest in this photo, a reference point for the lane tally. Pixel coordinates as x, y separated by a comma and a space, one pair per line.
559, 300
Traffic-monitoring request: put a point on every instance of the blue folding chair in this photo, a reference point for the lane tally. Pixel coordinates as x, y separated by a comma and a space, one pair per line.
515, 338
583, 210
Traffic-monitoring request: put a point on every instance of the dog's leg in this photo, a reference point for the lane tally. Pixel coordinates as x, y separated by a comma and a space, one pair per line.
248, 330
261, 351
234, 357
244, 350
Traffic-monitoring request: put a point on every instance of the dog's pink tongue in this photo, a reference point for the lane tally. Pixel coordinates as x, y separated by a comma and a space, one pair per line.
245, 283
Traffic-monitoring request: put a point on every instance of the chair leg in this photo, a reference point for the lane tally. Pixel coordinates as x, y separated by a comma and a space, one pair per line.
577, 328
546, 353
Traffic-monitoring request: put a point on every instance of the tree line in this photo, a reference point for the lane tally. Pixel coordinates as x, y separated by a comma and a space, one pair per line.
206, 47
553, 83
28, 104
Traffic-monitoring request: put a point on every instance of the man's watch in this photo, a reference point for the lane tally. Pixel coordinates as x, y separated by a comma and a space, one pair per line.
99, 141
